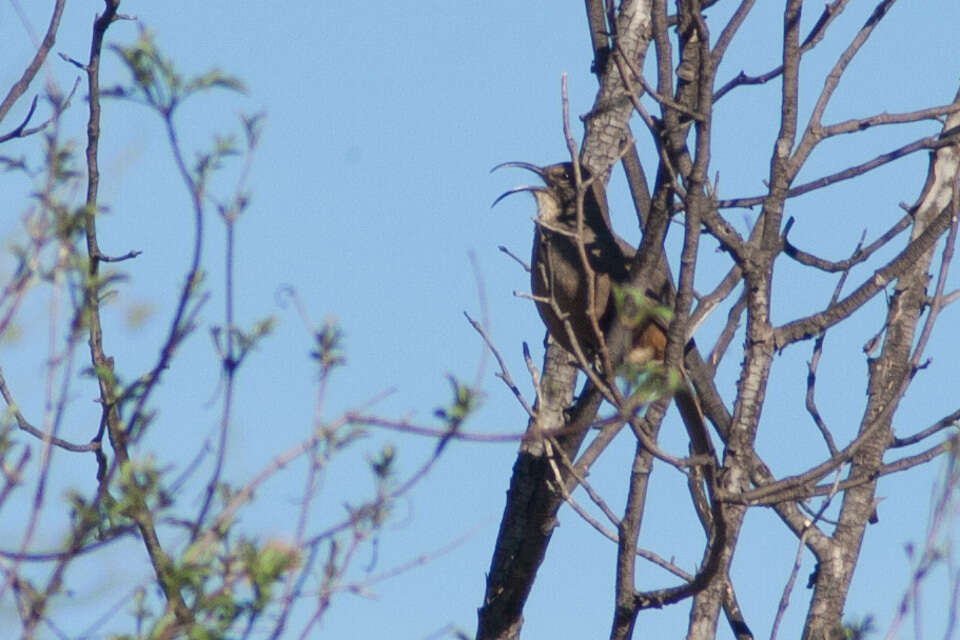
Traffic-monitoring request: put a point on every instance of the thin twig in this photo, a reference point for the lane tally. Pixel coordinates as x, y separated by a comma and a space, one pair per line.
404, 426
25, 425
503, 249
858, 257
950, 420
831, 11
20, 86
785, 598
504, 373
810, 399
945, 261
928, 142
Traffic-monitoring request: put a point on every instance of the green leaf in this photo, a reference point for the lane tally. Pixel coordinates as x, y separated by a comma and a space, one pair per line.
634, 307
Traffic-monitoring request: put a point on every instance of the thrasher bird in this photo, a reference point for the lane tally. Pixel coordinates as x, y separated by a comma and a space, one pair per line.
561, 284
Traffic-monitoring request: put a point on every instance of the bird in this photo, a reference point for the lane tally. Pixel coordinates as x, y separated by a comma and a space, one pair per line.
561, 284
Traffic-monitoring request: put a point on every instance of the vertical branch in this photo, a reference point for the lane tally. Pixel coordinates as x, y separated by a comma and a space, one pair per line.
599, 41
234, 347
230, 361
814, 131
102, 364
625, 611
780, 174
530, 513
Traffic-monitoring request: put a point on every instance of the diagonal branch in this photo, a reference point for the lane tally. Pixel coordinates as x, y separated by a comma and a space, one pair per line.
20, 86
929, 142
858, 256
949, 420
810, 326
814, 132
830, 11
861, 124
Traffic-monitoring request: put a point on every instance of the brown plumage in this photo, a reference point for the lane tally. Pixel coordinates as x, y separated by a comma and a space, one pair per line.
558, 278
561, 288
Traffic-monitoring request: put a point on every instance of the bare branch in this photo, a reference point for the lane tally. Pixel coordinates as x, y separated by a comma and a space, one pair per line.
830, 11
38, 433
405, 426
557, 453
814, 134
13, 476
945, 261
526, 267
504, 373
800, 493
785, 598
812, 325
729, 329
842, 265
129, 255
815, 359
861, 124
20, 86
729, 31
60, 104
929, 142
664, 101
949, 420
707, 303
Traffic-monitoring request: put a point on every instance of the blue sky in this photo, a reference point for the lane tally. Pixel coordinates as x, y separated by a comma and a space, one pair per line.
370, 193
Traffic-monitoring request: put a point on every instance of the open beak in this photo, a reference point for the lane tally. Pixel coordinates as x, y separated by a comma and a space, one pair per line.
503, 195
520, 165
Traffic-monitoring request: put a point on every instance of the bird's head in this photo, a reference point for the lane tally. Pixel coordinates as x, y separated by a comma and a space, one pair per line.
558, 190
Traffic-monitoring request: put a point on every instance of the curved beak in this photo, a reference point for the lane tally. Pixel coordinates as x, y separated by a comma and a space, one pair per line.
503, 195
520, 165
